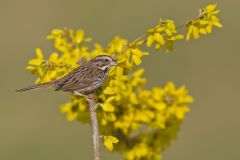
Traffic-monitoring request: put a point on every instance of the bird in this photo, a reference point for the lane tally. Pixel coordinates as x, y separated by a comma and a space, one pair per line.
83, 80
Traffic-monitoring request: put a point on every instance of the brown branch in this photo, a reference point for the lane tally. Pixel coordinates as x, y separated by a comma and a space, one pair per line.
92, 102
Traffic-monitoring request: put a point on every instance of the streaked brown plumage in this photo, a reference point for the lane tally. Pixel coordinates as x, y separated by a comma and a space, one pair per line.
83, 80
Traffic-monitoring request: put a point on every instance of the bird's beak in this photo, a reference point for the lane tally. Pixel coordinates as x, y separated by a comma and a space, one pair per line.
114, 63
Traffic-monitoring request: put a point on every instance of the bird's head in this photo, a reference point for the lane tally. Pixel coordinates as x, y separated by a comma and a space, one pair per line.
104, 62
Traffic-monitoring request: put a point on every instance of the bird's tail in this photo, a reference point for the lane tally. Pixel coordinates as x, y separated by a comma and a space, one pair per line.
42, 85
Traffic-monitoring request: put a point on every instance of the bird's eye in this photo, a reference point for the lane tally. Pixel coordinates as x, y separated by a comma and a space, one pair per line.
106, 60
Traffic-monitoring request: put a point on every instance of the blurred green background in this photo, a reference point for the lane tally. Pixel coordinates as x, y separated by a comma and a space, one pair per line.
31, 126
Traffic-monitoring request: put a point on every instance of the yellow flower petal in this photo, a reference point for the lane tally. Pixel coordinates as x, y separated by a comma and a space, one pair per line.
203, 31
136, 59
159, 38
53, 57
195, 32
109, 141
211, 7
36, 62
217, 24
39, 53
109, 90
30, 68
108, 107
138, 73
189, 32
209, 28
150, 40
79, 36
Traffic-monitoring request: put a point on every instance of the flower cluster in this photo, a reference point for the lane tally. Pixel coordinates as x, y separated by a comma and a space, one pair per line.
203, 24
135, 121
164, 34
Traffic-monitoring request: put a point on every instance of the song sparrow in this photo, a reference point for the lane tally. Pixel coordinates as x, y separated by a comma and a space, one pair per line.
83, 80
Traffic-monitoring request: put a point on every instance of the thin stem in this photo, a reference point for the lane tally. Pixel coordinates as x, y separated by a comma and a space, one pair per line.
182, 26
92, 101
139, 37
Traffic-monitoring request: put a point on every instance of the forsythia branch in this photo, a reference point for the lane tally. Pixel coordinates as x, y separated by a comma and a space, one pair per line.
92, 102
162, 33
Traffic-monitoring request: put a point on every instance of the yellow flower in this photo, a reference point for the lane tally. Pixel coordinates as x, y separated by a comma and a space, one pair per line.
163, 35
138, 152
204, 23
109, 141
108, 107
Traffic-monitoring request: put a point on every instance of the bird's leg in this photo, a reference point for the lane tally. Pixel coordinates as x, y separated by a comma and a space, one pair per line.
88, 98
92, 98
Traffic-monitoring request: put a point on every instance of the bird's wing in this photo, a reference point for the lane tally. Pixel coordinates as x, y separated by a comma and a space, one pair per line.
80, 78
